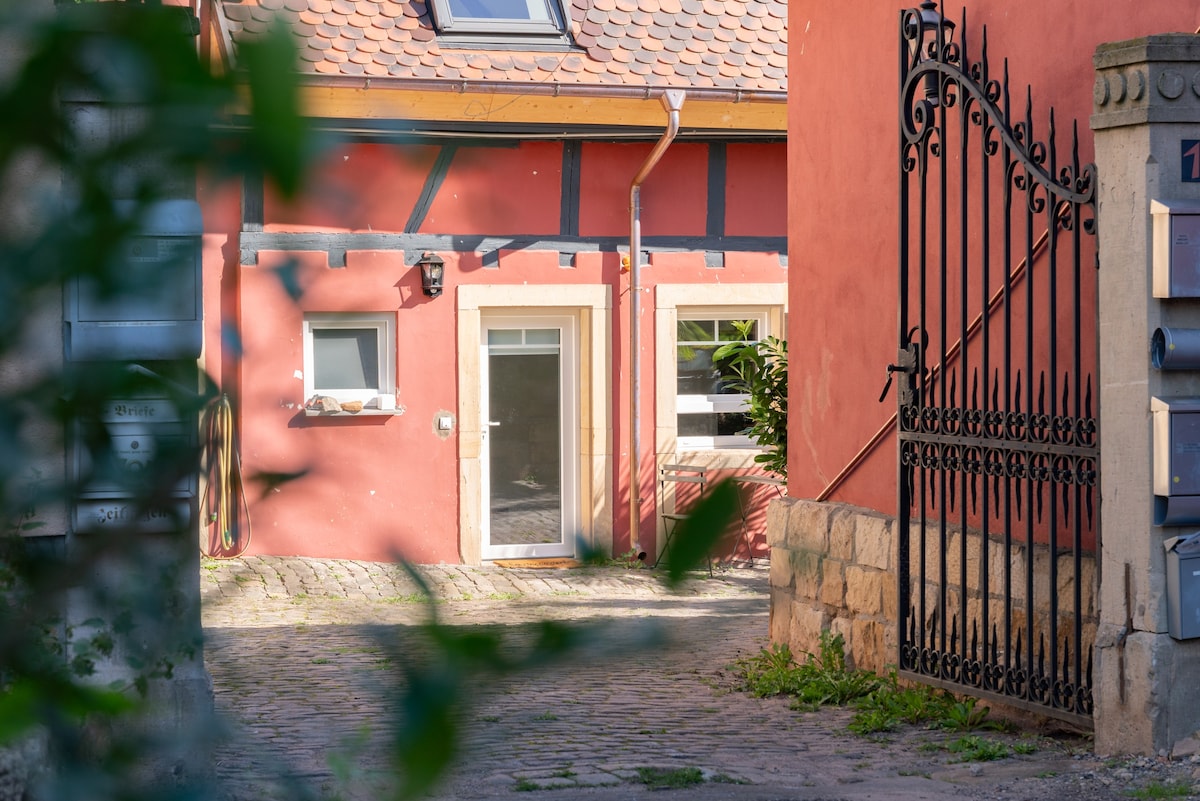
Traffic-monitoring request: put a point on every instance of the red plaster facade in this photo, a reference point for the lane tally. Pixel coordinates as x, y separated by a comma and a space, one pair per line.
843, 190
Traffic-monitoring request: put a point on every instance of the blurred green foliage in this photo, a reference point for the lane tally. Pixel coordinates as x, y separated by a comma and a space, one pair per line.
66, 193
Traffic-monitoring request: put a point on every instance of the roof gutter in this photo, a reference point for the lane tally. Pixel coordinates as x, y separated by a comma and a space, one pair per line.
463, 86
672, 101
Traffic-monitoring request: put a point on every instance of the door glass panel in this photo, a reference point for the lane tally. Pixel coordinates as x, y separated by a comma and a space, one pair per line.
525, 436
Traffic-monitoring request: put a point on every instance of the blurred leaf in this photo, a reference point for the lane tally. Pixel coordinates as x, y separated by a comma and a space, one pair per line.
279, 135
426, 740
18, 710
701, 530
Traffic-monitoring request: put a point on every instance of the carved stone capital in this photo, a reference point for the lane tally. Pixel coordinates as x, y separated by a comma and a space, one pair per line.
1152, 79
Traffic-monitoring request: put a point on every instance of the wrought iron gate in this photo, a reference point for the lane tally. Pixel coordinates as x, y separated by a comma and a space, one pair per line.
998, 438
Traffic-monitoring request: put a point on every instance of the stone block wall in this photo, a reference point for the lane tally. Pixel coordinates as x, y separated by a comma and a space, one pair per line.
834, 567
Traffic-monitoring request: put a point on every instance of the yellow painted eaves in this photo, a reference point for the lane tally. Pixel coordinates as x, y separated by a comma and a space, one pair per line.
514, 105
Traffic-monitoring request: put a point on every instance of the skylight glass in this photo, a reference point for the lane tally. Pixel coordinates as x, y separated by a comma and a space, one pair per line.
499, 17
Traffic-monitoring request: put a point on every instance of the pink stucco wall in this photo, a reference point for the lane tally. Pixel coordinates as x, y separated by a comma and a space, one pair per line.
843, 189
377, 487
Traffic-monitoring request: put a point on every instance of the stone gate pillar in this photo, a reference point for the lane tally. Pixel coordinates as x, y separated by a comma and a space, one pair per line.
1146, 119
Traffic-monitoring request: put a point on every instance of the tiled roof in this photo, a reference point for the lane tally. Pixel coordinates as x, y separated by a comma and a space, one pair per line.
738, 45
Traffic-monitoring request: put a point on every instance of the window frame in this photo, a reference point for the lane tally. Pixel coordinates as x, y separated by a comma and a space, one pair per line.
695, 403
500, 28
384, 324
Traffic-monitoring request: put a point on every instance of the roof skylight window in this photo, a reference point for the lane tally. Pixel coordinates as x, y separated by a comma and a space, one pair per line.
500, 18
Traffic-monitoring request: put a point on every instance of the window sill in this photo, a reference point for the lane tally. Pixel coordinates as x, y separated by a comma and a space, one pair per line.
363, 413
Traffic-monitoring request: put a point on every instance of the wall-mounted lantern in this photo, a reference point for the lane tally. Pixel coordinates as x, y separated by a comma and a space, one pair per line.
929, 43
433, 272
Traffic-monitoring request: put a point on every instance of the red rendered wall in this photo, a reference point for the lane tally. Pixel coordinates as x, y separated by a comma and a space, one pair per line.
375, 487
365, 187
843, 187
674, 196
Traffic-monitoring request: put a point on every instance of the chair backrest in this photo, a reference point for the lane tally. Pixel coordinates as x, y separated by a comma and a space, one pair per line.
672, 475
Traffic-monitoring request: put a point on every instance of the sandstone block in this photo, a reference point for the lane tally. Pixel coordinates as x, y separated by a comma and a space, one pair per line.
777, 521
864, 590
833, 584
874, 540
841, 535
808, 526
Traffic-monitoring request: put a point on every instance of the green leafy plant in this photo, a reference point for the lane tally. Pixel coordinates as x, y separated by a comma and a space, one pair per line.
892, 706
967, 715
973, 748
823, 679
1157, 789
760, 371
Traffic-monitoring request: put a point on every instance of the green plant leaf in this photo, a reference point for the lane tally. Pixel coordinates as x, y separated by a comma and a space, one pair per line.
701, 530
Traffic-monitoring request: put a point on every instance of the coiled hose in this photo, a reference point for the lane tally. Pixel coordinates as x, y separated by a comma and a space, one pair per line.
225, 505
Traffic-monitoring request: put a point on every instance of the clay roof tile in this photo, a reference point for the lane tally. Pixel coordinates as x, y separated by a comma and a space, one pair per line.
731, 43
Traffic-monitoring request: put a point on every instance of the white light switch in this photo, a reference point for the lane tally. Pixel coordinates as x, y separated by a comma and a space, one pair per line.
445, 422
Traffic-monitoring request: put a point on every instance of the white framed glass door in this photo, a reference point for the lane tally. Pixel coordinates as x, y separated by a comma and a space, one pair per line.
530, 422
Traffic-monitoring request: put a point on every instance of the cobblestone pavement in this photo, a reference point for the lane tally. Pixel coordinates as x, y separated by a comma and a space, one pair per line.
305, 657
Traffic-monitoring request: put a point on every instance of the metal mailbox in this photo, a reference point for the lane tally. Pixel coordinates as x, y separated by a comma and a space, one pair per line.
1176, 250
1183, 586
158, 312
138, 429
1176, 424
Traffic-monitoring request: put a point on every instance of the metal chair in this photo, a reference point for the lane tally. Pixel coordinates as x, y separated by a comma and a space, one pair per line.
670, 476
780, 486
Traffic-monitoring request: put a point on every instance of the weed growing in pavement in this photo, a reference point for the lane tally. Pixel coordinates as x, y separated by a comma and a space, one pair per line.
546, 716
525, 786
1025, 747
973, 748
410, 598
1157, 789
881, 704
670, 778
822, 680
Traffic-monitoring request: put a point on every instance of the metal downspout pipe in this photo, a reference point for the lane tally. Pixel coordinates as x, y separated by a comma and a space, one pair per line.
672, 101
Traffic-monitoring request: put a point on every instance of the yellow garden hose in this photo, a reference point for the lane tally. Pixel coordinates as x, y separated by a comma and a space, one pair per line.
225, 495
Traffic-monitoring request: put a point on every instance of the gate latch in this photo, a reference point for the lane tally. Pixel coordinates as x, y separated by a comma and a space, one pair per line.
906, 363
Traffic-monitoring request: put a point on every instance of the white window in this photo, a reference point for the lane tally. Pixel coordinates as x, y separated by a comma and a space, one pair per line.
709, 413
350, 357
498, 19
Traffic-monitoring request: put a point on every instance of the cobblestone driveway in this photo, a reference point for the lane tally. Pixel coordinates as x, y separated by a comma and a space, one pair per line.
303, 655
